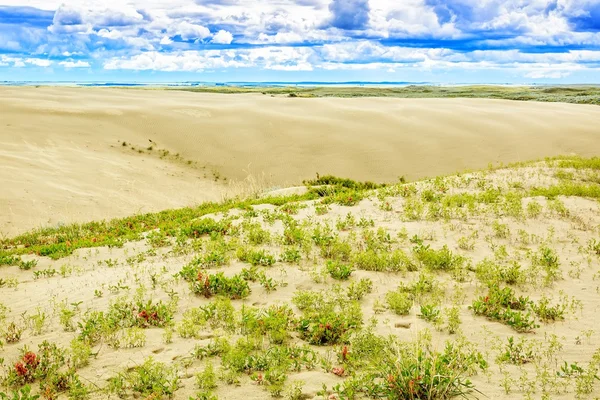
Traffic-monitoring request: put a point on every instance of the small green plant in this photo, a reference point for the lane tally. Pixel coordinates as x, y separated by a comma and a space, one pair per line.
516, 352
158, 239
66, 317
291, 255
208, 285
255, 257
255, 234
294, 391
547, 312
23, 393
399, 302
45, 273
534, 209
151, 378
79, 353
13, 332
431, 313
37, 322
502, 305
548, 260
358, 290
453, 319
437, 260
326, 318
594, 247
501, 231
338, 271
467, 242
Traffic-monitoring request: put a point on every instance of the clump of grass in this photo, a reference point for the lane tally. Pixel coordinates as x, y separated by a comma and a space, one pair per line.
399, 302
209, 285
338, 270
502, 305
326, 317
397, 369
437, 260
255, 257
149, 379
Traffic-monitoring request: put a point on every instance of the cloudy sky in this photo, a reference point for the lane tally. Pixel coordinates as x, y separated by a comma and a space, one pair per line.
447, 41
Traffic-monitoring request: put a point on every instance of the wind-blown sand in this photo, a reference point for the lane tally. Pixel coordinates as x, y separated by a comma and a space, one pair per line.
61, 158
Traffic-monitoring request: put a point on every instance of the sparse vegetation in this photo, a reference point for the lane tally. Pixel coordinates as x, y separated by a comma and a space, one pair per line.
262, 290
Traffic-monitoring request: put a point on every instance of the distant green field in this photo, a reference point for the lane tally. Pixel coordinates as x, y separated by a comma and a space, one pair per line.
565, 94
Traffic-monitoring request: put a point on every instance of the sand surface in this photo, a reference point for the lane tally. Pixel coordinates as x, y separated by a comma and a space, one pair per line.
93, 279
61, 159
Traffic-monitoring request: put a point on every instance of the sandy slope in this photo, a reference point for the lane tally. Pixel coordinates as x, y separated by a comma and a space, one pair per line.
61, 161
123, 272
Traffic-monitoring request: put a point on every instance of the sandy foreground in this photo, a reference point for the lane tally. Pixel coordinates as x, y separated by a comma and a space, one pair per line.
550, 242
61, 159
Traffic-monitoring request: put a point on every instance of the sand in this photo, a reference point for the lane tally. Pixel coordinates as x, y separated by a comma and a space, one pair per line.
62, 160
61, 157
93, 278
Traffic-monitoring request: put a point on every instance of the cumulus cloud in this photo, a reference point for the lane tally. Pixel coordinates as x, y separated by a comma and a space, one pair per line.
222, 37
534, 39
20, 62
349, 14
275, 58
75, 64
189, 31
165, 40
280, 38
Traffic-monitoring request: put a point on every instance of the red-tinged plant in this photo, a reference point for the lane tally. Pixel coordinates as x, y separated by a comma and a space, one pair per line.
21, 369
339, 371
31, 360
344, 353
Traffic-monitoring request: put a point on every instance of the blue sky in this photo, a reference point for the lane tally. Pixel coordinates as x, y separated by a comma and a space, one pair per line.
446, 41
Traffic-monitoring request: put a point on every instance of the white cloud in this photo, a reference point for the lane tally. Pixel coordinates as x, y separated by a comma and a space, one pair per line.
281, 38
23, 62
38, 62
75, 64
165, 40
222, 37
276, 58
520, 36
189, 31
110, 34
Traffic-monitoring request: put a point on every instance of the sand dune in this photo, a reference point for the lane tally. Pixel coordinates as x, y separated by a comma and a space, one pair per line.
61, 159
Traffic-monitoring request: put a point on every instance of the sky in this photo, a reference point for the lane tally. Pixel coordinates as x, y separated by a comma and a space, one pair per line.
438, 41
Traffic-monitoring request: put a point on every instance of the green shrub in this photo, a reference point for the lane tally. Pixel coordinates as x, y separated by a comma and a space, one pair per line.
399, 302
358, 290
206, 226
401, 370
151, 378
338, 270
514, 352
396, 261
502, 305
291, 255
255, 257
437, 260
326, 318
209, 285
23, 393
